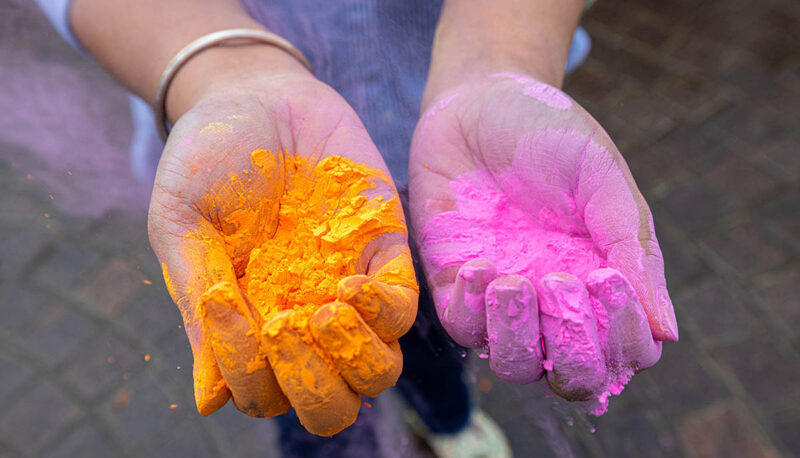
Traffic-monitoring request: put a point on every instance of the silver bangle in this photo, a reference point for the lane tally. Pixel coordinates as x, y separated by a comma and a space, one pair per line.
201, 44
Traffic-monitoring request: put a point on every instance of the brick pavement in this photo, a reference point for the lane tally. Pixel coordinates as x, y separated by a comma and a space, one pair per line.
703, 98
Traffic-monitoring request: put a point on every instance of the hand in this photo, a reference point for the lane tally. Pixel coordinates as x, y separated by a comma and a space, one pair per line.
530, 226
215, 200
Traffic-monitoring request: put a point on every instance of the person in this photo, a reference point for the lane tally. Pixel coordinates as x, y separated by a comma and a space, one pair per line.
486, 84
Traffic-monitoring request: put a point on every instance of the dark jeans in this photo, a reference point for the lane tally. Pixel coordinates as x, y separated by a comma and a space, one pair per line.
431, 383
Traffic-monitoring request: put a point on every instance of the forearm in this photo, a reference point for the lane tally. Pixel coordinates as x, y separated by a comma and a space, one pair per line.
134, 41
476, 37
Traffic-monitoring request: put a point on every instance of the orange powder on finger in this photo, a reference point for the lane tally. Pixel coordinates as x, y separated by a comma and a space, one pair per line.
325, 222
316, 224
328, 215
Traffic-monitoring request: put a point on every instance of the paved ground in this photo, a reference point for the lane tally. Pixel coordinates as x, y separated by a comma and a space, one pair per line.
703, 98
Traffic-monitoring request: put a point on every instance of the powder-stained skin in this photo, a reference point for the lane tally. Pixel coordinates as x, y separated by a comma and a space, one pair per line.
542, 92
492, 227
536, 242
557, 327
322, 297
325, 222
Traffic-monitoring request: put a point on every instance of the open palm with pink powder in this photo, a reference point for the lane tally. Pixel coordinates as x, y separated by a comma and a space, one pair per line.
535, 240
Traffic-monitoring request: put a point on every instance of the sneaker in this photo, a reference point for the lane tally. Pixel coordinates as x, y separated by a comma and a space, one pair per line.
481, 438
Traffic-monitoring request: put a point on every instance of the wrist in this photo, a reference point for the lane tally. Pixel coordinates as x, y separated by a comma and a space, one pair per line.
222, 68
453, 69
530, 37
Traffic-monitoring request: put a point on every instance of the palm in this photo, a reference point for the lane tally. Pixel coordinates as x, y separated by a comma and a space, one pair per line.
207, 164
217, 197
516, 192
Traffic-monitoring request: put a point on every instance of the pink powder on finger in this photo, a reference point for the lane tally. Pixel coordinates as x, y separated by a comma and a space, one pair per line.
487, 224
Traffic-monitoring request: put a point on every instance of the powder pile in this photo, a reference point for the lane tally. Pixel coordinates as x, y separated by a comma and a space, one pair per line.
320, 253
327, 340
325, 222
492, 227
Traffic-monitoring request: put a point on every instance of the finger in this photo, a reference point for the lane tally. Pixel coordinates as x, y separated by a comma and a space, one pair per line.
389, 303
464, 315
210, 390
193, 261
575, 363
512, 324
244, 366
621, 225
366, 363
629, 342
389, 310
324, 403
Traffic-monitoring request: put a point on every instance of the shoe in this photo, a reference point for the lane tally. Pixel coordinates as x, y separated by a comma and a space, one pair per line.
481, 438
578, 50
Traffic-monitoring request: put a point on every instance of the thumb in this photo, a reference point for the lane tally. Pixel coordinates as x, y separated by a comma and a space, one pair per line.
193, 258
620, 223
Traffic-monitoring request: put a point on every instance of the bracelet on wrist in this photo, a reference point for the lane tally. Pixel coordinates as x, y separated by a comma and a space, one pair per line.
199, 45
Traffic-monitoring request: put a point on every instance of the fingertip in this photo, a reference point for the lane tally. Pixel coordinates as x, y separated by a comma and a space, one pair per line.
667, 328
559, 289
512, 325
641, 263
218, 305
351, 288
208, 405
628, 342
512, 285
465, 313
570, 337
390, 310
611, 287
654, 357
367, 363
479, 265
324, 403
210, 390
474, 277
666, 334
238, 353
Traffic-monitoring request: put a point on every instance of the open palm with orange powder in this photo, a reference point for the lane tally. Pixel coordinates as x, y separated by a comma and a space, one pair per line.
283, 243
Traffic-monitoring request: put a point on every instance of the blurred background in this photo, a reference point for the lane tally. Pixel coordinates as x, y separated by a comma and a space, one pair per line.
703, 99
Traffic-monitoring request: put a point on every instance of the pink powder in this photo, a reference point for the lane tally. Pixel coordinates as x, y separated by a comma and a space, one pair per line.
542, 92
440, 105
598, 406
487, 224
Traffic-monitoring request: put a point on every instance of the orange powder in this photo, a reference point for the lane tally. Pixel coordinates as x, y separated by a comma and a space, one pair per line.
317, 224
325, 222
330, 216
